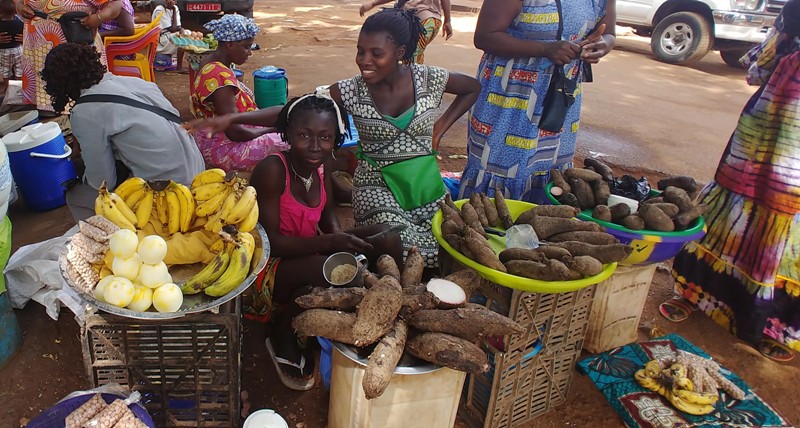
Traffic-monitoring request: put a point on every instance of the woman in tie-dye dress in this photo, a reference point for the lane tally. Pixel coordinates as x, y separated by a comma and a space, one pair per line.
745, 273
522, 42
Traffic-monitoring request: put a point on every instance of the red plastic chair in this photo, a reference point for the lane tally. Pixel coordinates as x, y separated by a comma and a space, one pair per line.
143, 51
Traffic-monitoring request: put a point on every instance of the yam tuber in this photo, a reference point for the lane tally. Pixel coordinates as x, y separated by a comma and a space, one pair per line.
483, 254
468, 279
502, 209
450, 227
655, 200
570, 199
450, 294
581, 173
490, 210
526, 217
601, 192
583, 191
604, 253
679, 197
558, 180
449, 213
340, 299
377, 312
546, 227
554, 270
449, 351
370, 279
448, 200
522, 254
619, 211
605, 171
334, 325
383, 361
563, 211
597, 238
689, 184
633, 222
602, 212
455, 241
471, 323
471, 218
684, 220
671, 210
586, 265
477, 203
417, 301
387, 266
552, 252
655, 219
413, 269
556, 191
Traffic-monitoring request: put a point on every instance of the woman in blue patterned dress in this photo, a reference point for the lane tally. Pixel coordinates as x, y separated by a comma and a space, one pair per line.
523, 41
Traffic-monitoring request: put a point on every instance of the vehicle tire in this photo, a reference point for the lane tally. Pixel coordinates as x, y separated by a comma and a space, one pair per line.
732, 57
682, 37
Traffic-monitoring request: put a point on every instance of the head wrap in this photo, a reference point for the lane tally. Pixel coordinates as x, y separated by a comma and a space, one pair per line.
321, 92
233, 28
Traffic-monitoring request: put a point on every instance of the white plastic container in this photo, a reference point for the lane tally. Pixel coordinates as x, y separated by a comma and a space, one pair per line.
265, 418
12, 122
615, 199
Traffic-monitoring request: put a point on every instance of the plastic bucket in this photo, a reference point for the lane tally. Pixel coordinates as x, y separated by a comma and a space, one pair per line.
265, 418
271, 86
40, 164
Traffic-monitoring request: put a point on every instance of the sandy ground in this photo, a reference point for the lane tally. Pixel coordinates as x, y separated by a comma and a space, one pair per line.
642, 116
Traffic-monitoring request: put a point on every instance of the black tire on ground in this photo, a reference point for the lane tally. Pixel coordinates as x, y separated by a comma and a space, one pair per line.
683, 37
732, 57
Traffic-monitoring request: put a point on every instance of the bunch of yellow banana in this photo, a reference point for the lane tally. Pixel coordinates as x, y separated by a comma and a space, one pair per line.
224, 199
111, 206
670, 380
169, 204
228, 269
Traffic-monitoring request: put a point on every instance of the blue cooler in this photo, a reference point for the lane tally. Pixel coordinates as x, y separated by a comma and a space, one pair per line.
40, 164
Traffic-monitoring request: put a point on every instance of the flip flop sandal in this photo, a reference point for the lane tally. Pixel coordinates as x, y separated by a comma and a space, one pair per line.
767, 347
286, 380
675, 309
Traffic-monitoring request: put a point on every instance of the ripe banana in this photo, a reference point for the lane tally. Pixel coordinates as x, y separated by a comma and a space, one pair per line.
248, 241
212, 205
696, 397
208, 191
217, 220
208, 274
213, 175
687, 407
145, 208
218, 246
237, 271
135, 197
173, 212
188, 206
130, 186
249, 222
243, 206
98, 205
120, 204
111, 211
162, 209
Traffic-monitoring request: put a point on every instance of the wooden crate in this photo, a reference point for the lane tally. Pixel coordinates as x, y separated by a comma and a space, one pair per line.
187, 369
523, 381
617, 308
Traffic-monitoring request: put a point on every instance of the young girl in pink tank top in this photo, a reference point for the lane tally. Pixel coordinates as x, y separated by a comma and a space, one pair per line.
300, 220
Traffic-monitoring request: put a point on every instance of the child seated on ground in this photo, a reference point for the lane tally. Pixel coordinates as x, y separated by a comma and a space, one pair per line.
10, 42
297, 211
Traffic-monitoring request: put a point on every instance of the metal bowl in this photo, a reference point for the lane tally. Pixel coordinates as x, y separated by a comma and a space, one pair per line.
180, 273
351, 353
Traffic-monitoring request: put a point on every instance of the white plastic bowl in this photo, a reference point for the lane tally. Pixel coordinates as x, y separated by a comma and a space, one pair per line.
632, 203
265, 418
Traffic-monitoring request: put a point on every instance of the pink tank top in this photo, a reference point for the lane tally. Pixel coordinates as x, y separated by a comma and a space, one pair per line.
299, 220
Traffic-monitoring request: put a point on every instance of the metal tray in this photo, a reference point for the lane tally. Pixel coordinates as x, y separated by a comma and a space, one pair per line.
419, 367
180, 273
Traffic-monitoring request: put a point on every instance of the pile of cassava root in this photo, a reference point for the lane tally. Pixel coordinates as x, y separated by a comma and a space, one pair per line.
588, 189
432, 322
570, 249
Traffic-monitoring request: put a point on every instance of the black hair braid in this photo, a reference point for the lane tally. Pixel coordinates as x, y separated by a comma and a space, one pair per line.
68, 69
315, 103
402, 26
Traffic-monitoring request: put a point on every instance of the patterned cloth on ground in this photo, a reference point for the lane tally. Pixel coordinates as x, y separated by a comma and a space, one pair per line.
612, 373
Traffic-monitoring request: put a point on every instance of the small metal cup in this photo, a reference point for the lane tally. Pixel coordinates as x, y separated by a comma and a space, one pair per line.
344, 258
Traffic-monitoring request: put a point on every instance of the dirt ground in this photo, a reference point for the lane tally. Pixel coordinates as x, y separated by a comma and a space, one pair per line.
316, 44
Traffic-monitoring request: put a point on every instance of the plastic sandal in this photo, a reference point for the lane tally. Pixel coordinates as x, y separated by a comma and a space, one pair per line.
675, 309
768, 348
286, 380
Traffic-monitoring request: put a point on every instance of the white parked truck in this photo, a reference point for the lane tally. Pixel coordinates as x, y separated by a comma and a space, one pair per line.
683, 31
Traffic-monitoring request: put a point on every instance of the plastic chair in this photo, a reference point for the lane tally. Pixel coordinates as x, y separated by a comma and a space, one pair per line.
133, 55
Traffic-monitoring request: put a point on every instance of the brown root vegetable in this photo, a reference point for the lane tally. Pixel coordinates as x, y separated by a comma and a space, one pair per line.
370, 279
490, 210
619, 211
605, 171
468, 279
455, 241
525, 218
450, 294
684, 219
334, 325
597, 238
556, 191
472, 219
340, 299
412, 271
554, 270
546, 227
387, 266
679, 197
583, 191
689, 184
602, 212
656, 200
522, 254
483, 254
449, 213
601, 192
552, 252
377, 312
581, 173
586, 265
559, 181
450, 227
477, 203
671, 210
655, 219
502, 209
471, 323
383, 361
417, 301
448, 200
449, 351
570, 199
604, 253
633, 222
563, 211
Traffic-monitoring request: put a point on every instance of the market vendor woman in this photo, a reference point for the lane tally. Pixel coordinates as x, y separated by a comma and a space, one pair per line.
117, 141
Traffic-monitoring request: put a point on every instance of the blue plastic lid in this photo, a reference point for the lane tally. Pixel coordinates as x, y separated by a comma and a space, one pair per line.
270, 72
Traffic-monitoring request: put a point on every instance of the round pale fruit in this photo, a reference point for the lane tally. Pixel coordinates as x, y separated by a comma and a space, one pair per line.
118, 292
98, 289
152, 249
123, 243
142, 298
126, 268
167, 298
154, 276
